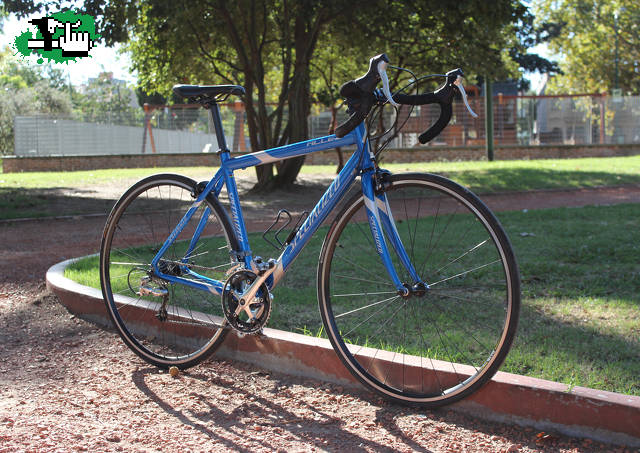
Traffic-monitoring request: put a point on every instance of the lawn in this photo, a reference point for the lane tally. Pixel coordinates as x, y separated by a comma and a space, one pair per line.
581, 294
41, 194
523, 175
505, 175
44, 194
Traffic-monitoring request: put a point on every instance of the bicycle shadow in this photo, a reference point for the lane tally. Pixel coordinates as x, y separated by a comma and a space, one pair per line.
307, 423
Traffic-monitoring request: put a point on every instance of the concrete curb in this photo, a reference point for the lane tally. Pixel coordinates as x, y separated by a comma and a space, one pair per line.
544, 405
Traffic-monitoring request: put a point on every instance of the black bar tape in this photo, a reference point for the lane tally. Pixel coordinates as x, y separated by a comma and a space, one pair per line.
436, 128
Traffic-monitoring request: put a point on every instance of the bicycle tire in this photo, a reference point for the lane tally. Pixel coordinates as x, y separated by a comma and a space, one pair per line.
188, 326
428, 350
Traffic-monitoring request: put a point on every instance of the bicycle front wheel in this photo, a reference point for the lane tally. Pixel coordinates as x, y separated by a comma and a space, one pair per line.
435, 346
165, 323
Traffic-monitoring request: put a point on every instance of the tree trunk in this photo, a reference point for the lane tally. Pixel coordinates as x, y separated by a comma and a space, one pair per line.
306, 31
299, 107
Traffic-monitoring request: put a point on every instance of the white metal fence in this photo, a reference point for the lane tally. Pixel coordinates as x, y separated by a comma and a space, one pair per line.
524, 120
46, 136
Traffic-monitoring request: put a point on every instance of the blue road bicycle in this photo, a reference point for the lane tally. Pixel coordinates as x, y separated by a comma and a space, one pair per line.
418, 286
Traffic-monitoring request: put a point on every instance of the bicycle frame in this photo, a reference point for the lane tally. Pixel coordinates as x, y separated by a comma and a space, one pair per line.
360, 163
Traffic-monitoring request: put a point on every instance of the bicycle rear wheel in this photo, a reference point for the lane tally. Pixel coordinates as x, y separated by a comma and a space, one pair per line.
165, 323
433, 348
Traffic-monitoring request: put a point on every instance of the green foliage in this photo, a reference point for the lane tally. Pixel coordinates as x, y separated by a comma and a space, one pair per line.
27, 91
436, 37
587, 33
151, 98
41, 89
16, 73
105, 100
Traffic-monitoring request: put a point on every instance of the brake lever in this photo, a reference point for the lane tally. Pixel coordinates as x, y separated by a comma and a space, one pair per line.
458, 83
382, 71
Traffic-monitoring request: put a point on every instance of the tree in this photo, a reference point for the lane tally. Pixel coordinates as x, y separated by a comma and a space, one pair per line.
268, 46
588, 33
3, 15
270, 49
268, 52
104, 99
26, 91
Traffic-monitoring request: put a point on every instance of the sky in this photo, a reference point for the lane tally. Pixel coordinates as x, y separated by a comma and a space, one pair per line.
103, 58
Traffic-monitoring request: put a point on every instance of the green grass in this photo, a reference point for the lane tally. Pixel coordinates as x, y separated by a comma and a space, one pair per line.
44, 194
479, 175
581, 286
41, 194
39, 180
580, 320
523, 175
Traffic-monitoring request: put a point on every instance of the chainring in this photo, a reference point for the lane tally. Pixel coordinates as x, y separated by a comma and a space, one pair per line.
252, 317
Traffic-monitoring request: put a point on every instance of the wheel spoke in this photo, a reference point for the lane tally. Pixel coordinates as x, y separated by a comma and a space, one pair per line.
191, 327
364, 294
471, 250
389, 299
461, 274
430, 347
377, 282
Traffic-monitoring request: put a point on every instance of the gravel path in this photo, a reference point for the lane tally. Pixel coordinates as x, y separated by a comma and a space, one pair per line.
66, 385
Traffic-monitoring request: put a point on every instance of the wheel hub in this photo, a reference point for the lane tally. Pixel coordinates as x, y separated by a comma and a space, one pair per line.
417, 290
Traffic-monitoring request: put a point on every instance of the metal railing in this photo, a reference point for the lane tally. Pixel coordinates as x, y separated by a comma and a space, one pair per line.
518, 120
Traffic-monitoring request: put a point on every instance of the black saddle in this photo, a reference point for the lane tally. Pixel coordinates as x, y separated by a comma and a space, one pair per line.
208, 93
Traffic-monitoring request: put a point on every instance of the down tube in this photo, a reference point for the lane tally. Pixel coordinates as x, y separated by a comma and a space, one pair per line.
325, 205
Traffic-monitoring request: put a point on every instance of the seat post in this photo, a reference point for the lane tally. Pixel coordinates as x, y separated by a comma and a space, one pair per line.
214, 112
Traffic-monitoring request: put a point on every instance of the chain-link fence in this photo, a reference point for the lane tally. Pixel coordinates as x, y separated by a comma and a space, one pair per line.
518, 120
183, 129
532, 121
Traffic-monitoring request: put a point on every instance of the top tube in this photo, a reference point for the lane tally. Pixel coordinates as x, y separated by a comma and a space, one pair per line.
287, 151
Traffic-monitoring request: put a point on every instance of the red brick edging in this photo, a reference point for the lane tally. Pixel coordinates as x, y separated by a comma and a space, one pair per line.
544, 405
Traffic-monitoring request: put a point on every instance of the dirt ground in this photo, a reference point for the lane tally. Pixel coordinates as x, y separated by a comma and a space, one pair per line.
67, 385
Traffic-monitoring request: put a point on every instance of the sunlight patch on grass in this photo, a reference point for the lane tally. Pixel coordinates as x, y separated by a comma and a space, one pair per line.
581, 294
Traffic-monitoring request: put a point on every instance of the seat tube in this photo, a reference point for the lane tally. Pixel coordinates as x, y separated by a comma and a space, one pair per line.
214, 111
237, 217
232, 189
375, 225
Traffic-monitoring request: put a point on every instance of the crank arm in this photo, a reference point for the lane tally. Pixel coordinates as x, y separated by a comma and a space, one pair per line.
251, 292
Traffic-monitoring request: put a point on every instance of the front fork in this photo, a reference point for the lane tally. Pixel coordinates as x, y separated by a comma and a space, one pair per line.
381, 219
